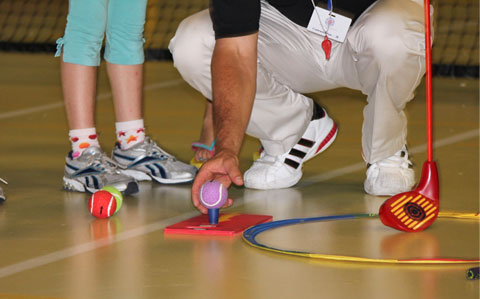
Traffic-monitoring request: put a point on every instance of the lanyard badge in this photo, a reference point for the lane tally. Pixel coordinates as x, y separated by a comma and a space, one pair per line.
329, 24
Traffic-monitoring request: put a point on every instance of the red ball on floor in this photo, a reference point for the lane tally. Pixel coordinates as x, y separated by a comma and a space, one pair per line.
102, 204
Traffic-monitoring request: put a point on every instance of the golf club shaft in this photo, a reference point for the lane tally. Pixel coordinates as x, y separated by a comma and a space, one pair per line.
428, 51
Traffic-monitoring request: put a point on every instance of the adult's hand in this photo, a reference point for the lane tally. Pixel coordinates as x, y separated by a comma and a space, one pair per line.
223, 167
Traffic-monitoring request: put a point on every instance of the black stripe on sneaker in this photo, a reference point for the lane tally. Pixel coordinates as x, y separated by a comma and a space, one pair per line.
152, 170
297, 153
95, 182
163, 174
291, 163
306, 142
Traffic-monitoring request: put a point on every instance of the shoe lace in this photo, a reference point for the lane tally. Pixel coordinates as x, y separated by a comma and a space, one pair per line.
400, 159
103, 163
270, 159
3, 181
152, 149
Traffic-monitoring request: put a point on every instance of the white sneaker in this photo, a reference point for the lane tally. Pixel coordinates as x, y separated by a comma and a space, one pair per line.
274, 172
390, 176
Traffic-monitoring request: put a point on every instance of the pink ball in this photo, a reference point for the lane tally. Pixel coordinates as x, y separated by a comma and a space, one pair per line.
213, 195
102, 204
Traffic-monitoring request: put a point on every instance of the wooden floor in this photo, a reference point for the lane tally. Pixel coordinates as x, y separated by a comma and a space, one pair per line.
51, 247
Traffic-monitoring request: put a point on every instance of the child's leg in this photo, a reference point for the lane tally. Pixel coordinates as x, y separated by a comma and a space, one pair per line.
79, 88
124, 55
86, 168
126, 83
207, 135
80, 51
124, 32
141, 158
84, 32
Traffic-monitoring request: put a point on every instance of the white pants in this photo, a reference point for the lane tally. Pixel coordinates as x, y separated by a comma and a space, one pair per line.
383, 56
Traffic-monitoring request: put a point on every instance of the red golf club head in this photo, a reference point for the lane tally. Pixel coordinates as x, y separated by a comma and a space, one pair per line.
415, 210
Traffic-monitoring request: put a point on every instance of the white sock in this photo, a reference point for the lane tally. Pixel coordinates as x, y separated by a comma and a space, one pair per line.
82, 139
130, 133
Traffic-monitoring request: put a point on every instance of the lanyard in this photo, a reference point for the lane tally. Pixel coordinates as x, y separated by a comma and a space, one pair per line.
330, 6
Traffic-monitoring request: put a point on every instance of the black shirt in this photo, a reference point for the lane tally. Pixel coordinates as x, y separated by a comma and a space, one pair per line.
241, 17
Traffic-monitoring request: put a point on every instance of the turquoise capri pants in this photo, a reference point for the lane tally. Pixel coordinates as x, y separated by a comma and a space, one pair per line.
88, 21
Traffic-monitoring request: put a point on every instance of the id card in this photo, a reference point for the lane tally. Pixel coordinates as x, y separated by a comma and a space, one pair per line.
337, 25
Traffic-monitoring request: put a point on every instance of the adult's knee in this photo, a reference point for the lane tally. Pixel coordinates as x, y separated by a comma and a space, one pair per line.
389, 43
192, 46
394, 45
391, 32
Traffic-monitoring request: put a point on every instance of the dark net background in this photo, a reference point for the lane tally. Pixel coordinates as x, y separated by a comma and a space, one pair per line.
34, 26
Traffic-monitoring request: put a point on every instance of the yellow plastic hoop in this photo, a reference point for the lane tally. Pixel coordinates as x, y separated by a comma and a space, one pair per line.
250, 234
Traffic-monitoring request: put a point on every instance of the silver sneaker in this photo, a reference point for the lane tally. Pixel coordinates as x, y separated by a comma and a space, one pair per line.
2, 196
147, 160
93, 170
390, 176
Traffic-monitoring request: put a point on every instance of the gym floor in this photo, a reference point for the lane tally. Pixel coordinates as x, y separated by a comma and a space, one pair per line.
51, 247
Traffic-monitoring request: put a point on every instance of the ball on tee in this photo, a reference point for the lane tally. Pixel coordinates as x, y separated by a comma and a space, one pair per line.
213, 195
117, 194
102, 204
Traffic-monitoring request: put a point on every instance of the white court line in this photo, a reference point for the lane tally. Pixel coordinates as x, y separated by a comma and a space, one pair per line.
89, 246
415, 150
153, 227
101, 96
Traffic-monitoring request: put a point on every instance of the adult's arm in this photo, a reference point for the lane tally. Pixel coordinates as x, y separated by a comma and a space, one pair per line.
234, 71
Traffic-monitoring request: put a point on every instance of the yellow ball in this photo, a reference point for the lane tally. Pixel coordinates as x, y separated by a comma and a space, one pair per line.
117, 194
